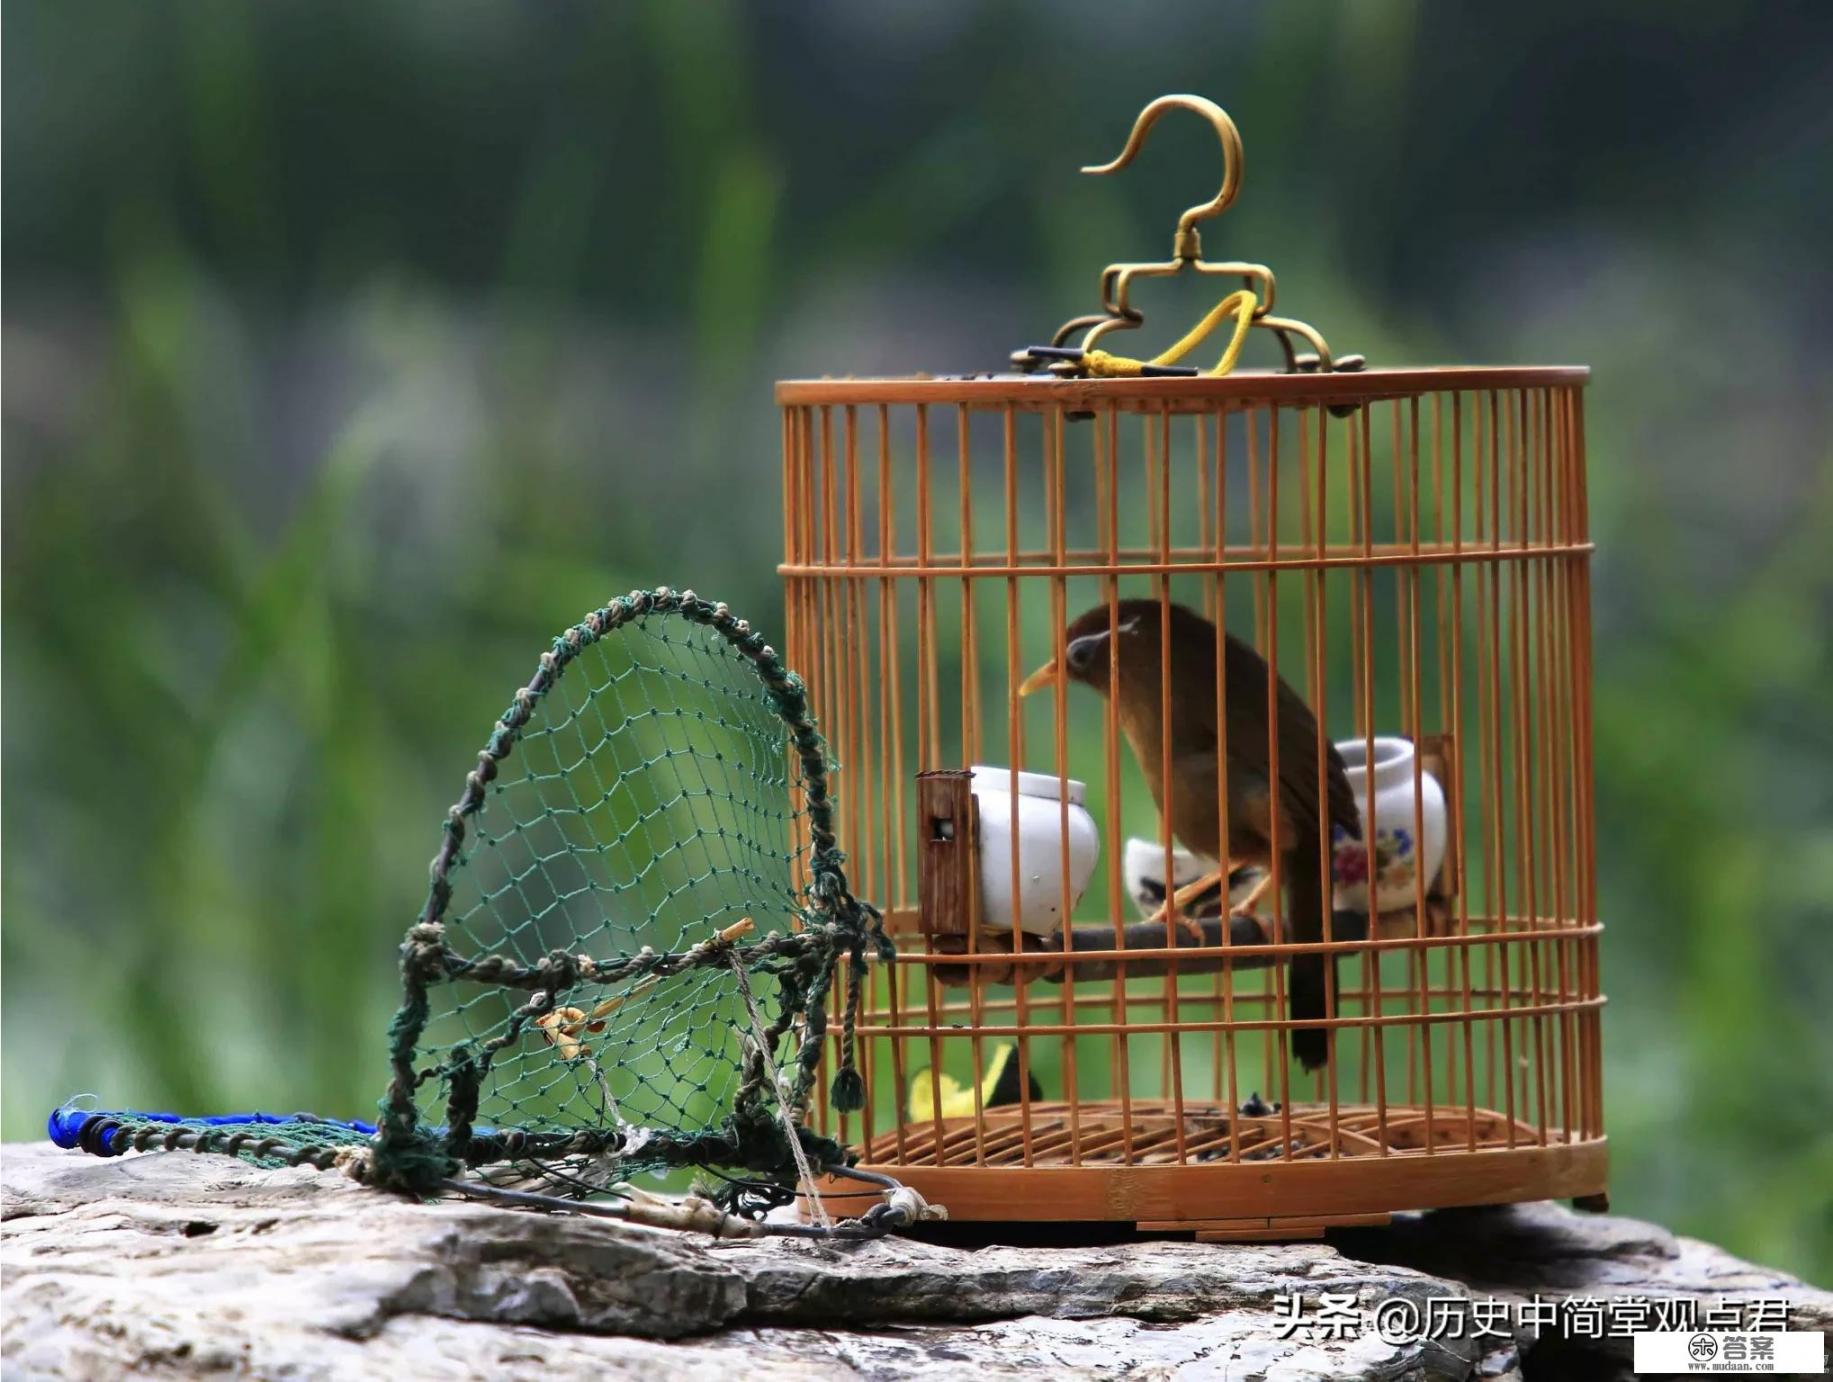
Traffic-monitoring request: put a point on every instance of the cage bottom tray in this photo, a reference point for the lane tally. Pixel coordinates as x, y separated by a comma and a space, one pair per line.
1288, 1174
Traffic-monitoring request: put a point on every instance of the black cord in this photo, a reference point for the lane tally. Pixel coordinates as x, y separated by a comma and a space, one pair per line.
567, 1178
870, 1177
529, 1199
876, 1222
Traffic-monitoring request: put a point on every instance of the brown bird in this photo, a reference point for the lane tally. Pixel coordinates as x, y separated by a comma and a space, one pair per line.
1133, 643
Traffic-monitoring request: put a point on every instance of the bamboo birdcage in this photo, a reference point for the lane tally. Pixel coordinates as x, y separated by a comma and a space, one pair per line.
1408, 549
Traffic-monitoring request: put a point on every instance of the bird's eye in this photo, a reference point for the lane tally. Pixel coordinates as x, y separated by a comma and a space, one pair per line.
1080, 655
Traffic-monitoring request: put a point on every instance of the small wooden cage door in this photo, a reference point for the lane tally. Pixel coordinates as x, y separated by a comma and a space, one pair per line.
1409, 551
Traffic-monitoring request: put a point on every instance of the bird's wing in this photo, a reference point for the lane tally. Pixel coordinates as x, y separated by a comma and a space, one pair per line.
1298, 769
1248, 756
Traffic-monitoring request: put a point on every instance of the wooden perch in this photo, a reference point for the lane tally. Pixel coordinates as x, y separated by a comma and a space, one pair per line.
1206, 956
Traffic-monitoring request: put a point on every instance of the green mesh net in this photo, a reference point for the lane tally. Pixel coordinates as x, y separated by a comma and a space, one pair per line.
636, 918
634, 921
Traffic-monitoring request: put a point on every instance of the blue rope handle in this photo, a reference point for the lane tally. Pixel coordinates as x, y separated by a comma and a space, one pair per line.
94, 1131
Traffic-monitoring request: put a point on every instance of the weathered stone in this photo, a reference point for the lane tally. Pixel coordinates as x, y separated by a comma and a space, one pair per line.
175, 1264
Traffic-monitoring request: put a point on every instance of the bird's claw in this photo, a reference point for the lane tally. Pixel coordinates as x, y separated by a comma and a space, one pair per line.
1248, 905
1182, 898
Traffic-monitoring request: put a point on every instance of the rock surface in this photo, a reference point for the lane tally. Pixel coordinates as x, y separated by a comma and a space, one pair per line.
176, 1264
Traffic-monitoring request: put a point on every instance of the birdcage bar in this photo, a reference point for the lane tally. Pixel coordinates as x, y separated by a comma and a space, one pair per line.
1162, 1026
1527, 930
1158, 465
1361, 558
1478, 642
1107, 451
970, 731
1199, 1001
1058, 520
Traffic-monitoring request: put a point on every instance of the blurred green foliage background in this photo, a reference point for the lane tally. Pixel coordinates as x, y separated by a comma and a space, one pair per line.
353, 349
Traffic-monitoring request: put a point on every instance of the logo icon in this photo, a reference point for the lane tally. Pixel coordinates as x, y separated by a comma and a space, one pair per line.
1702, 1348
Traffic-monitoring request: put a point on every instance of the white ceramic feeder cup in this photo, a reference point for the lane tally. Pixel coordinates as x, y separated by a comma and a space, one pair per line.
1144, 868
1042, 843
1404, 842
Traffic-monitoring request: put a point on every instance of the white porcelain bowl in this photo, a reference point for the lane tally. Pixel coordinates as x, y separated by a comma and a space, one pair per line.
1042, 843
1144, 867
1404, 845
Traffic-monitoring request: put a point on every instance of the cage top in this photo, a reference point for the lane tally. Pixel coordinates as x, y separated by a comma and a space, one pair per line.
1044, 390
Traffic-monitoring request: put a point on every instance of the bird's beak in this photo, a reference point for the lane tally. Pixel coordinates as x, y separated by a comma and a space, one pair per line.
1047, 675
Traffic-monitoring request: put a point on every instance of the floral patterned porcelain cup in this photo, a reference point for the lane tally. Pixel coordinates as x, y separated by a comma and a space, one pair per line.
1397, 853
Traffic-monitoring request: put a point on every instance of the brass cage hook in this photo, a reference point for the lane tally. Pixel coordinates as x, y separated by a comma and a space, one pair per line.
1187, 244
1117, 312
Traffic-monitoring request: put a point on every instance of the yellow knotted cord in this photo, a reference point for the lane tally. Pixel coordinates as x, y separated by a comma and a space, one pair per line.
1241, 303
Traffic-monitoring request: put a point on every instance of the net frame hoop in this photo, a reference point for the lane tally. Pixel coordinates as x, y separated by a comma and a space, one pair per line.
788, 696
411, 1157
